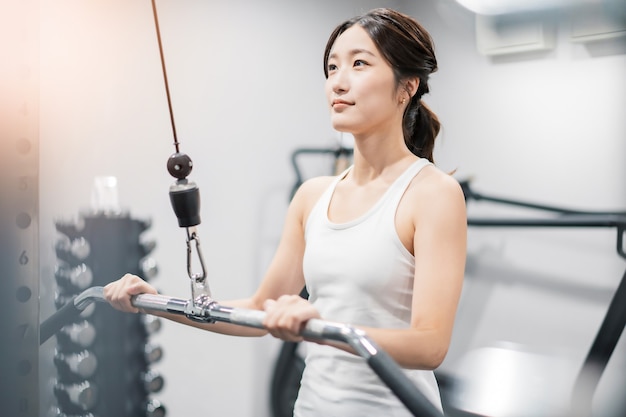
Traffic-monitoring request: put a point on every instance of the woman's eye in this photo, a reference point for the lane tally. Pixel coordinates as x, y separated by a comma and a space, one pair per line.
359, 63
332, 67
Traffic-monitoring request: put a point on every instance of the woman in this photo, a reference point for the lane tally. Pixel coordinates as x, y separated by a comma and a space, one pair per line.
381, 246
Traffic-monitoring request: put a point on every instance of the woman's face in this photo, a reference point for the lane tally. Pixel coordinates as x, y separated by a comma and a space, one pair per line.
361, 88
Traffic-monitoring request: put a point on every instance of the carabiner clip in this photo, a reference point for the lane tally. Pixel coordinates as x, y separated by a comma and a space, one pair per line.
199, 283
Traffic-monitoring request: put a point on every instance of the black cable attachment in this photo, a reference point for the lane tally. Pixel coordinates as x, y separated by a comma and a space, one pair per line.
184, 194
185, 199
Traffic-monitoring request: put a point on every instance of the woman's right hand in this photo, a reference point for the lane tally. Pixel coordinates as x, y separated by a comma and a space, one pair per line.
118, 293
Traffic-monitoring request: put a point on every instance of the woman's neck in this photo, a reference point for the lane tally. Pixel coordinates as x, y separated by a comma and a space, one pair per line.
376, 157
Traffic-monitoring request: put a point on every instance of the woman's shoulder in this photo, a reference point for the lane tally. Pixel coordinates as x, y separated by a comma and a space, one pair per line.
432, 185
308, 194
313, 188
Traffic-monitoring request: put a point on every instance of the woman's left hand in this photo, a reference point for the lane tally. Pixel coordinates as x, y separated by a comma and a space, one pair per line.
286, 317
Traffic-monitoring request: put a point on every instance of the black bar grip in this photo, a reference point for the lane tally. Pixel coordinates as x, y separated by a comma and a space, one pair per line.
600, 352
185, 200
54, 323
388, 371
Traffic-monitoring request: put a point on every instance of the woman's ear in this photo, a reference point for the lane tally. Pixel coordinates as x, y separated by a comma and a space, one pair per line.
412, 84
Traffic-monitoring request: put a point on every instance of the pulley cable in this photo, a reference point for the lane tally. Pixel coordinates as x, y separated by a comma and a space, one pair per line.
184, 194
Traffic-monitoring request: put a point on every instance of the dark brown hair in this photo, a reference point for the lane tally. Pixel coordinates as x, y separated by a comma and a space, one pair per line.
409, 50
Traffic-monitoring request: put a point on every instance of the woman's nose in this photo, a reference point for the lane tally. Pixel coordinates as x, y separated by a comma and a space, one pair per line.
339, 82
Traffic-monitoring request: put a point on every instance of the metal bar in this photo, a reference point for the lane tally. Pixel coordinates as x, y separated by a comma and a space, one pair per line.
296, 168
312, 151
518, 203
380, 362
470, 194
564, 221
384, 366
600, 352
569, 220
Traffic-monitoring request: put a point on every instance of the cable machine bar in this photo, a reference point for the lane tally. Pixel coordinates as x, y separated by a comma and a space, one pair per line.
564, 221
380, 362
470, 194
337, 152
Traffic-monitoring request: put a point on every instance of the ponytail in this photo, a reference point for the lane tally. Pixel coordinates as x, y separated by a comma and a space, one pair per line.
421, 126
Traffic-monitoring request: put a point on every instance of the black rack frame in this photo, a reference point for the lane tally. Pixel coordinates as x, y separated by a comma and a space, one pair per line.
614, 320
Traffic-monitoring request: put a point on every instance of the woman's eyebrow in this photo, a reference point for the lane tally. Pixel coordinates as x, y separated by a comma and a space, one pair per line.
352, 53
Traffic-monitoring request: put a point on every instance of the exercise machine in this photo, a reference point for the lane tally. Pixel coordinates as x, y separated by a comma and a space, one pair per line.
614, 321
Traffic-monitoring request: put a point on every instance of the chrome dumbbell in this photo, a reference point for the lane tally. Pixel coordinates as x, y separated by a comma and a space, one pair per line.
155, 409
153, 381
76, 397
152, 323
73, 278
76, 336
72, 251
75, 366
153, 353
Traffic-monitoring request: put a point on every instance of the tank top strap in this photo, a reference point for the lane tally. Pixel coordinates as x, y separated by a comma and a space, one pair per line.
398, 188
320, 208
388, 202
327, 195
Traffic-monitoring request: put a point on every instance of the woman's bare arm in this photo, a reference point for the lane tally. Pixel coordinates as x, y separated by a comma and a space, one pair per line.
284, 275
438, 231
439, 245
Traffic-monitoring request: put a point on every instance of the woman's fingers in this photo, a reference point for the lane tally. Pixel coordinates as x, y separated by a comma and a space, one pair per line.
286, 317
119, 293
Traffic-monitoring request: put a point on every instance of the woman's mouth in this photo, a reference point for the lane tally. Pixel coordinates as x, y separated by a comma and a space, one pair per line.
340, 104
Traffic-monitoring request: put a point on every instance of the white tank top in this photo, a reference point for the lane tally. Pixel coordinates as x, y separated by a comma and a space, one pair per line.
358, 273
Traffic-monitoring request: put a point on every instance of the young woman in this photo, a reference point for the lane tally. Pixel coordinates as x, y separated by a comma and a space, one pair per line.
381, 246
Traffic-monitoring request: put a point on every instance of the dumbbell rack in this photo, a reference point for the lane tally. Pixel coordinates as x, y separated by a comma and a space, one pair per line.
103, 357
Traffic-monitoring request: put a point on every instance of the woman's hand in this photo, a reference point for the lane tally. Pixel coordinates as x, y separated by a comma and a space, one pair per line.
286, 317
118, 293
